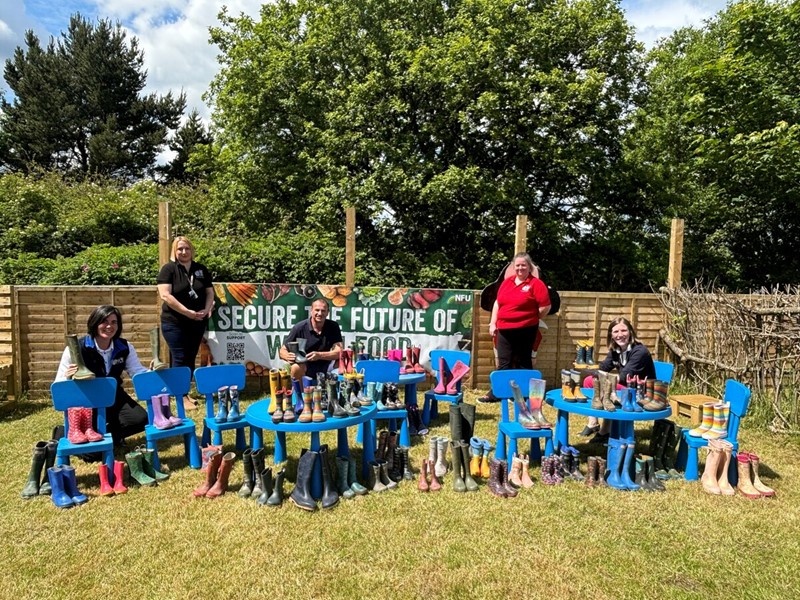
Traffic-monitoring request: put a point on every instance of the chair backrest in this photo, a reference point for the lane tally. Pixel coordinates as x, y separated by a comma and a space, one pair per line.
501, 386
664, 371
379, 371
175, 381
98, 393
738, 395
209, 379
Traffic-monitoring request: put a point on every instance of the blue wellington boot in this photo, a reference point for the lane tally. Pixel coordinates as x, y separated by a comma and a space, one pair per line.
629, 448
233, 413
297, 390
222, 411
616, 449
59, 497
71, 485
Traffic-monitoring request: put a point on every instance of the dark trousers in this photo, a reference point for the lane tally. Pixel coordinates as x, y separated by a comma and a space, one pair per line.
126, 417
184, 341
514, 348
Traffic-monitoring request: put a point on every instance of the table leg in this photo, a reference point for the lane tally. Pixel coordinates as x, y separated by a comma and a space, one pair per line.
280, 447
367, 452
316, 474
562, 430
342, 446
256, 438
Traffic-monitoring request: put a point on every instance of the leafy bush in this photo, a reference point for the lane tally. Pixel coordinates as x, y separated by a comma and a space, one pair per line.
107, 265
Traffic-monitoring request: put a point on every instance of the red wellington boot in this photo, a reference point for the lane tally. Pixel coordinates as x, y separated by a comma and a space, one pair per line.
75, 421
119, 477
86, 425
105, 487
415, 351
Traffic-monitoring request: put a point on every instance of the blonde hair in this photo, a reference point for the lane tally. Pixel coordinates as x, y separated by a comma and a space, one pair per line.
531, 265
175, 242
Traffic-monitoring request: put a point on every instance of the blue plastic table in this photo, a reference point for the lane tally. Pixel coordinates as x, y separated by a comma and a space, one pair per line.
409, 382
621, 421
259, 419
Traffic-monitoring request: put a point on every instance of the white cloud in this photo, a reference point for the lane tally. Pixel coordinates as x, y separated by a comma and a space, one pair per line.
654, 19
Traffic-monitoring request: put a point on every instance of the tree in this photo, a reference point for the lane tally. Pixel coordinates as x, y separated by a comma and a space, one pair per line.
77, 105
437, 120
189, 139
718, 142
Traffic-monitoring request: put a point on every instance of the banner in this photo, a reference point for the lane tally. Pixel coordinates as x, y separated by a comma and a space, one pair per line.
251, 321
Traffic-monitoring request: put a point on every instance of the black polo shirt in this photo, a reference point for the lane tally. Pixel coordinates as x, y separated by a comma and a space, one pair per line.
331, 334
197, 277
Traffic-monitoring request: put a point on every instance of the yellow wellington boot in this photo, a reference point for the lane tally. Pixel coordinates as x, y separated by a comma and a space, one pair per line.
274, 386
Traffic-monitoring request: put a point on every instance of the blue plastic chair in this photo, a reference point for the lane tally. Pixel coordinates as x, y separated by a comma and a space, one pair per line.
175, 382
738, 395
208, 380
506, 428
430, 406
384, 371
98, 394
664, 371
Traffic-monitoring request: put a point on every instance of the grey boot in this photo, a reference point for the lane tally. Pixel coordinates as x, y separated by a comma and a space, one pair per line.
276, 497
247, 485
374, 480
258, 467
264, 485
342, 468
352, 481
440, 468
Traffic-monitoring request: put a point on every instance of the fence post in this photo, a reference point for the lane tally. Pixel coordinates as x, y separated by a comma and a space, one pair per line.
350, 247
521, 234
675, 254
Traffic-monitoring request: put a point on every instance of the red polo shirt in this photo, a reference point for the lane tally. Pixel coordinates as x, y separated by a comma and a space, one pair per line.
518, 305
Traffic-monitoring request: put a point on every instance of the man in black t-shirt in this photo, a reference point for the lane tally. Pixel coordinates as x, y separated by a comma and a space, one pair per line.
323, 342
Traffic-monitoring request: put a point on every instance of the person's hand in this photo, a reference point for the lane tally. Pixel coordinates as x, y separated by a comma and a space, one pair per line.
197, 315
290, 357
492, 329
312, 356
70, 372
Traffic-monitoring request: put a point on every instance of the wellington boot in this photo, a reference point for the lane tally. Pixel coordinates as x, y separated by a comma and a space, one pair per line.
719, 428
657, 441
222, 405
710, 477
459, 372
75, 433
433, 448
317, 414
510, 490
274, 386
566, 386
258, 466
301, 494
105, 486
264, 486
610, 395
136, 469
233, 395
308, 406
395, 472
575, 383
485, 468
494, 484
575, 465
755, 463
249, 475
440, 468
159, 420
443, 377
707, 420
476, 449
591, 471
223, 475
436, 485
288, 406
726, 449
286, 382
580, 355
276, 497
88, 428
384, 475
616, 453
745, 484
523, 414
422, 482
352, 480
467, 420
71, 485
49, 461
277, 414
119, 477
415, 353
58, 495
455, 423
383, 442
599, 389
148, 465
374, 483
335, 409
165, 410
652, 480
342, 467
514, 475
407, 473
627, 462
76, 358
409, 366
601, 472
214, 462
32, 486
155, 349
538, 416
469, 482
330, 497
641, 473
525, 477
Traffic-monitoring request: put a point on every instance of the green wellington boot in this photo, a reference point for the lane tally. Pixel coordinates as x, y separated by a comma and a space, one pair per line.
32, 486
342, 468
469, 482
352, 480
148, 465
258, 467
248, 482
155, 347
455, 456
49, 461
136, 468
264, 486
77, 359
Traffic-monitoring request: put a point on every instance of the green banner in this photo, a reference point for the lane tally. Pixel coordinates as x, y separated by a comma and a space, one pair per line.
251, 321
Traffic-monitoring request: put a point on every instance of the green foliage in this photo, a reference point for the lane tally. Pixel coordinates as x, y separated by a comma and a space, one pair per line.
106, 265
77, 106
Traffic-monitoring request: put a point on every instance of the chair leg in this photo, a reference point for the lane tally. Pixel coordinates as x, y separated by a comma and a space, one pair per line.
691, 465
194, 456
434, 409
500, 446
548, 446
108, 458
426, 409
218, 438
241, 444
536, 450
206, 438
512, 447
733, 470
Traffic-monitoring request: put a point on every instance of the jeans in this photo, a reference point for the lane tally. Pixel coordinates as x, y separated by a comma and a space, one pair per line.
183, 341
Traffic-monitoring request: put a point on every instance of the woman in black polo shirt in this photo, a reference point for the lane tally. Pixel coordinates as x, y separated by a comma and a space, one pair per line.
188, 294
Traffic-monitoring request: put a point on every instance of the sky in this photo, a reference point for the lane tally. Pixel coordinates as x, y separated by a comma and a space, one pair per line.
174, 33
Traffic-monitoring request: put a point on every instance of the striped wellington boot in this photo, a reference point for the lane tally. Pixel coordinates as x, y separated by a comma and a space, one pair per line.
659, 396
719, 428
707, 420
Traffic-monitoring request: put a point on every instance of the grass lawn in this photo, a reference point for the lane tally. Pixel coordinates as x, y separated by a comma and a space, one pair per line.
566, 541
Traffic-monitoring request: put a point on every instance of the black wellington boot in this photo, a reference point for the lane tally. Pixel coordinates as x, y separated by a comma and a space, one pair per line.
249, 475
276, 497
330, 497
264, 485
301, 494
467, 421
32, 487
258, 467
49, 461
455, 423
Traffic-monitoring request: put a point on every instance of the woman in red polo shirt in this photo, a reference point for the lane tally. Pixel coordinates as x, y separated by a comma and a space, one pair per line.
521, 301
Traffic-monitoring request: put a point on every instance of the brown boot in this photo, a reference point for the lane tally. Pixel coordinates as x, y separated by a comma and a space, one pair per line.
435, 484
601, 472
591, 475
214, 460
710, 478
383, 441
726, 449
525, 477
515, 473
745, 485
423, 486
762, 489
221, 485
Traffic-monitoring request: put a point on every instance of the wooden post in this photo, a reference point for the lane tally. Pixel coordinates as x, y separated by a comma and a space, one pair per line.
350, 247
164, 233
521, 234
675, 254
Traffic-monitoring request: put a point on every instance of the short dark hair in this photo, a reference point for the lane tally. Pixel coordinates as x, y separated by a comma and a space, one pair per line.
100, 314
324, 301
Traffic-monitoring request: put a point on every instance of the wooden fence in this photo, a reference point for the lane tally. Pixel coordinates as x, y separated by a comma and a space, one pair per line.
35, 319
